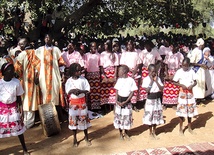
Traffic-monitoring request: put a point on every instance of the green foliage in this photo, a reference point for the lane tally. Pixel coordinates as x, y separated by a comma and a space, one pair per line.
106, 16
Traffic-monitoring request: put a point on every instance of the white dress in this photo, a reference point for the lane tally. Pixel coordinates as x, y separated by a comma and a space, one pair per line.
78, 114
153, 109
10, 119
186, 101
123, 115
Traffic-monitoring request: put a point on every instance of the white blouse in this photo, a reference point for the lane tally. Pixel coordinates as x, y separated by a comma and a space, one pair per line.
155, 88
185, 77
80, 83
125, 86
9, 90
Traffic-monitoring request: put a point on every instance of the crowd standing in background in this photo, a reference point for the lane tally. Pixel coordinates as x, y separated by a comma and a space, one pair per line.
89, 73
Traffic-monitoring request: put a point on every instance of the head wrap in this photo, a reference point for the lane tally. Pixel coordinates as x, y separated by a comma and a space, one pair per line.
199, 42
206, 49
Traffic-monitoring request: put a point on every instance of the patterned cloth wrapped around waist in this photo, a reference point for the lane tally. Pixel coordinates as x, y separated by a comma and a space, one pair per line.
185, 93
154, 95
7, 105
77, 101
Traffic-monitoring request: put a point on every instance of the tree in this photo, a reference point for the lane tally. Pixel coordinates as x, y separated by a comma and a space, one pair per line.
34, 18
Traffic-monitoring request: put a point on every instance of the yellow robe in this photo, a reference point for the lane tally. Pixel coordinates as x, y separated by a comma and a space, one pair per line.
49, 75
25, 66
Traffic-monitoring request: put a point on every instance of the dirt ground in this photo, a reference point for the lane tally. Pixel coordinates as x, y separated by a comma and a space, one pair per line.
105, 139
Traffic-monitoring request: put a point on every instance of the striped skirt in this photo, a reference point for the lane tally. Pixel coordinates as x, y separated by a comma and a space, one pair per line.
10, 120
107, 90
94, 81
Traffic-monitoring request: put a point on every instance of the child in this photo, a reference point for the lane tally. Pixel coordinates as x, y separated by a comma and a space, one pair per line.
125, 87
131, 58
76, 87
153, 108
185, 78
11, 113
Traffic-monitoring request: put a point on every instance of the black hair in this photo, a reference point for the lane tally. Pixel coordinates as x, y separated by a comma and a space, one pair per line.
4, 67
187, 60
151, 66
50, 36
73, 68
3, 51
108, 42
125, 68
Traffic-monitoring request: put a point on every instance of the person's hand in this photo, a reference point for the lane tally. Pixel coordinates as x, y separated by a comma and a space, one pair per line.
21, 113
155, 78
190, 87
151, 78
77, 92
74, 91
105, 80
119, 103
123, 103
36, 80
204, 66
183, 87
206, 57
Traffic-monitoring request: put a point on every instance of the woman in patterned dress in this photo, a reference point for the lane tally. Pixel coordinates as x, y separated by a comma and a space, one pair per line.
109, 62
173, 61
92, 64
131, 58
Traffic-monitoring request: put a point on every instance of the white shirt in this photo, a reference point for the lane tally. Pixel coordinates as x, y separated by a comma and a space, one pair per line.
151, 57
80, 83
9, 90
185, 77
155, 88
125, 86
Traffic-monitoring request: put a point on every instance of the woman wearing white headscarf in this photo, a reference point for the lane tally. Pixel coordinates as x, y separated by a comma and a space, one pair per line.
196, 59
208, 59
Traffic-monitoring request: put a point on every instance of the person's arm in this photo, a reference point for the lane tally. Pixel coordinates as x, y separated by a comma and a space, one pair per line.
178, 84
199, 65
115, 73
102, 71
158, 84
193, 85
150, 85
117, 102
19, 104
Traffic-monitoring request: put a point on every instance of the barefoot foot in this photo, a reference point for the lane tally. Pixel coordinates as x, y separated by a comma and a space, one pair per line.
88, 143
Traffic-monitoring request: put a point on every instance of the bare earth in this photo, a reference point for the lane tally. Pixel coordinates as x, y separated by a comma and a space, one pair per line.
105, 139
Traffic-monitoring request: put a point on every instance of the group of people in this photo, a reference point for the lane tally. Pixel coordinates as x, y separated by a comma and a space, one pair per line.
82, 80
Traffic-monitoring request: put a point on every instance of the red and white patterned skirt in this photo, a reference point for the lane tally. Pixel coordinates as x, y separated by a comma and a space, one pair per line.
10, 120
94, 81
170, 91
142, 91
108, 93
